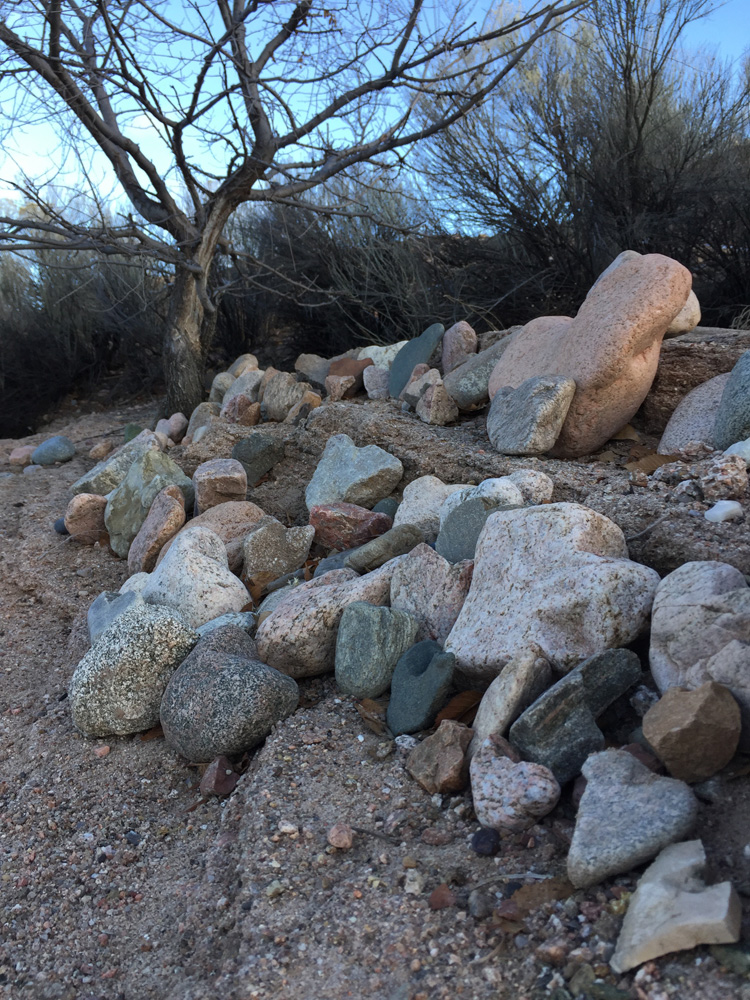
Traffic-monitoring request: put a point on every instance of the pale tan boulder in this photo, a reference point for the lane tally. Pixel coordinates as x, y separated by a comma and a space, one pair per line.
611, 349
218, 481
84, 517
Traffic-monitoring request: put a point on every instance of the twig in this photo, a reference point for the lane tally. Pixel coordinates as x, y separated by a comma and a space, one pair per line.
640, 534
375, 833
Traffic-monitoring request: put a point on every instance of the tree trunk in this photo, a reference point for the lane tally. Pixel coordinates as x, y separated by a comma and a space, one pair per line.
183, 350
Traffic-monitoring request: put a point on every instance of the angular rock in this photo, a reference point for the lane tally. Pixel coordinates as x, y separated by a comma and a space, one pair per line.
219, 778
439, 763
258, 454
436, 406
724, 478
510, 795
375, 381
219, 386
432, 591
221, 480
245, 620
611, 349
194, 578
270, 550
110, 472
528, 420
340, 387
419, 688
84, 517
369, 643
673, 910
355, 475
302, 409
414, 352
165, 518
700, 632
468, 384
462, 526
231, 521
282, 392
459, 344
56, 449
351, 368
128, 505
502, 492
521, 592
222, 699
240, 409
117, 687
108, 606
733, 414
345, 525
382, 355
313, 368
695, 733
247, 384
694, 418
647, 812
386, 547
299, 636
421, 504
420, 381
523, 679
724, 510
202, 416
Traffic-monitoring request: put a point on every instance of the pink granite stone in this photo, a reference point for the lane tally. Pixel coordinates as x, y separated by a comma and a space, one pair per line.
165, 518
219, 481
84, 517
510, 795
459, 343
432, 590
345, 525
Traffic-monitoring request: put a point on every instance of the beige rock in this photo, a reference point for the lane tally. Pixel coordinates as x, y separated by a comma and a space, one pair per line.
418, 385
202, 416
309, 401
695, 733
375, 380
270, 550
673, 910
459, 343
219, 386
436, 407
694, 418
557, 575
611, 349
686, 319
337, 386
240, 409
266, 377
440, 763
244, 363
165, 518
222, 480
280, 394
299, 636
231, 521
84, 517
524, 678
431, 590
101, 450
22, 455
421, 504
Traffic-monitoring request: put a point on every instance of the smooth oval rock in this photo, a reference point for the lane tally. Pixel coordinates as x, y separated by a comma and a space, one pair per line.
510, 795
55, 449
369, 643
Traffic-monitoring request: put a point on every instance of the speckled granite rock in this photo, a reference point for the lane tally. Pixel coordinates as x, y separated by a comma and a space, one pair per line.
270, 550
510, 794
106, 607
430, 589
222, 699
221, 480
117, 687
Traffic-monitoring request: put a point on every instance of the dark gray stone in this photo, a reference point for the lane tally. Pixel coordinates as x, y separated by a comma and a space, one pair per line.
420, 687
394, 542
54, 449
241, 619
559, 730
336, 561
528, 420
369, 643
387, 506
222, 700
59, 524
258, 454
461, 528
733, 415
131, 431
468, 384
108, 606
416, 352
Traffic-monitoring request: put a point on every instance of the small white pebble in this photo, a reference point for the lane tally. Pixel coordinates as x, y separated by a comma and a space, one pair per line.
741, 448
724, 510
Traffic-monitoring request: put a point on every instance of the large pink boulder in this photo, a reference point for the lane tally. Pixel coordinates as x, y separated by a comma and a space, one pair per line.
611, 349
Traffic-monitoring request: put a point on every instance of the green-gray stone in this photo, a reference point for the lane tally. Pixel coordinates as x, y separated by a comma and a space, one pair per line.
733, 415
131, 431
55, 449
129, 504
394, 542
463, 525
110, 472
258, 454
369, 643
414, 352
387, 506
420, 687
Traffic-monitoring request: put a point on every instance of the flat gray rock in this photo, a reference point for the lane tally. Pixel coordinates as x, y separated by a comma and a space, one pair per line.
54, 449
110, 472
370, 641
414, 352
528, 420
222, 699
117, 687
258, 453
695, 417
468, 384
108, 606
355, 475
626, 816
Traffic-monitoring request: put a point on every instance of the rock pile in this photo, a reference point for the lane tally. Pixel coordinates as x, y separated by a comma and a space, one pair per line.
430, 589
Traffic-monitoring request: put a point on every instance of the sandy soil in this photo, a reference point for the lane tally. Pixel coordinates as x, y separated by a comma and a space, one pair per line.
118, 882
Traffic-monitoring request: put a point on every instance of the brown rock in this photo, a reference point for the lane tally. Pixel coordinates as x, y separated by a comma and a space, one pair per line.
345, 525
219, 778
101, 450
440, 763
611, 349
84, 517
241, 409
341, 836
350, 367
341, 387
441, 898
231, 522
436, 406
22, 455
165, 518
695, 732
221, 480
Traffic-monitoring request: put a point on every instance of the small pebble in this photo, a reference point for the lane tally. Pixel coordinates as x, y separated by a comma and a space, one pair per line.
59, 526
486, 842
724, 510
101, 751
133, 838
341, 835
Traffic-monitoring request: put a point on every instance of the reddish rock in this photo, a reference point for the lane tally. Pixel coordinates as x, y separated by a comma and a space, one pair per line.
441, 898
695, 733
231, 522
219, 778
22, 455
165, 518
459, 343
219, 481
345, 525
84, 517
417, 372
440, 763
350, 367
240, 409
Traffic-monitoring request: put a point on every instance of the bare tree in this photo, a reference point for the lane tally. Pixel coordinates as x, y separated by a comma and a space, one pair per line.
249, 101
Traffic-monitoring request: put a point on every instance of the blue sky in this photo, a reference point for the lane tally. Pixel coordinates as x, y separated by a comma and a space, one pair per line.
727, 29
